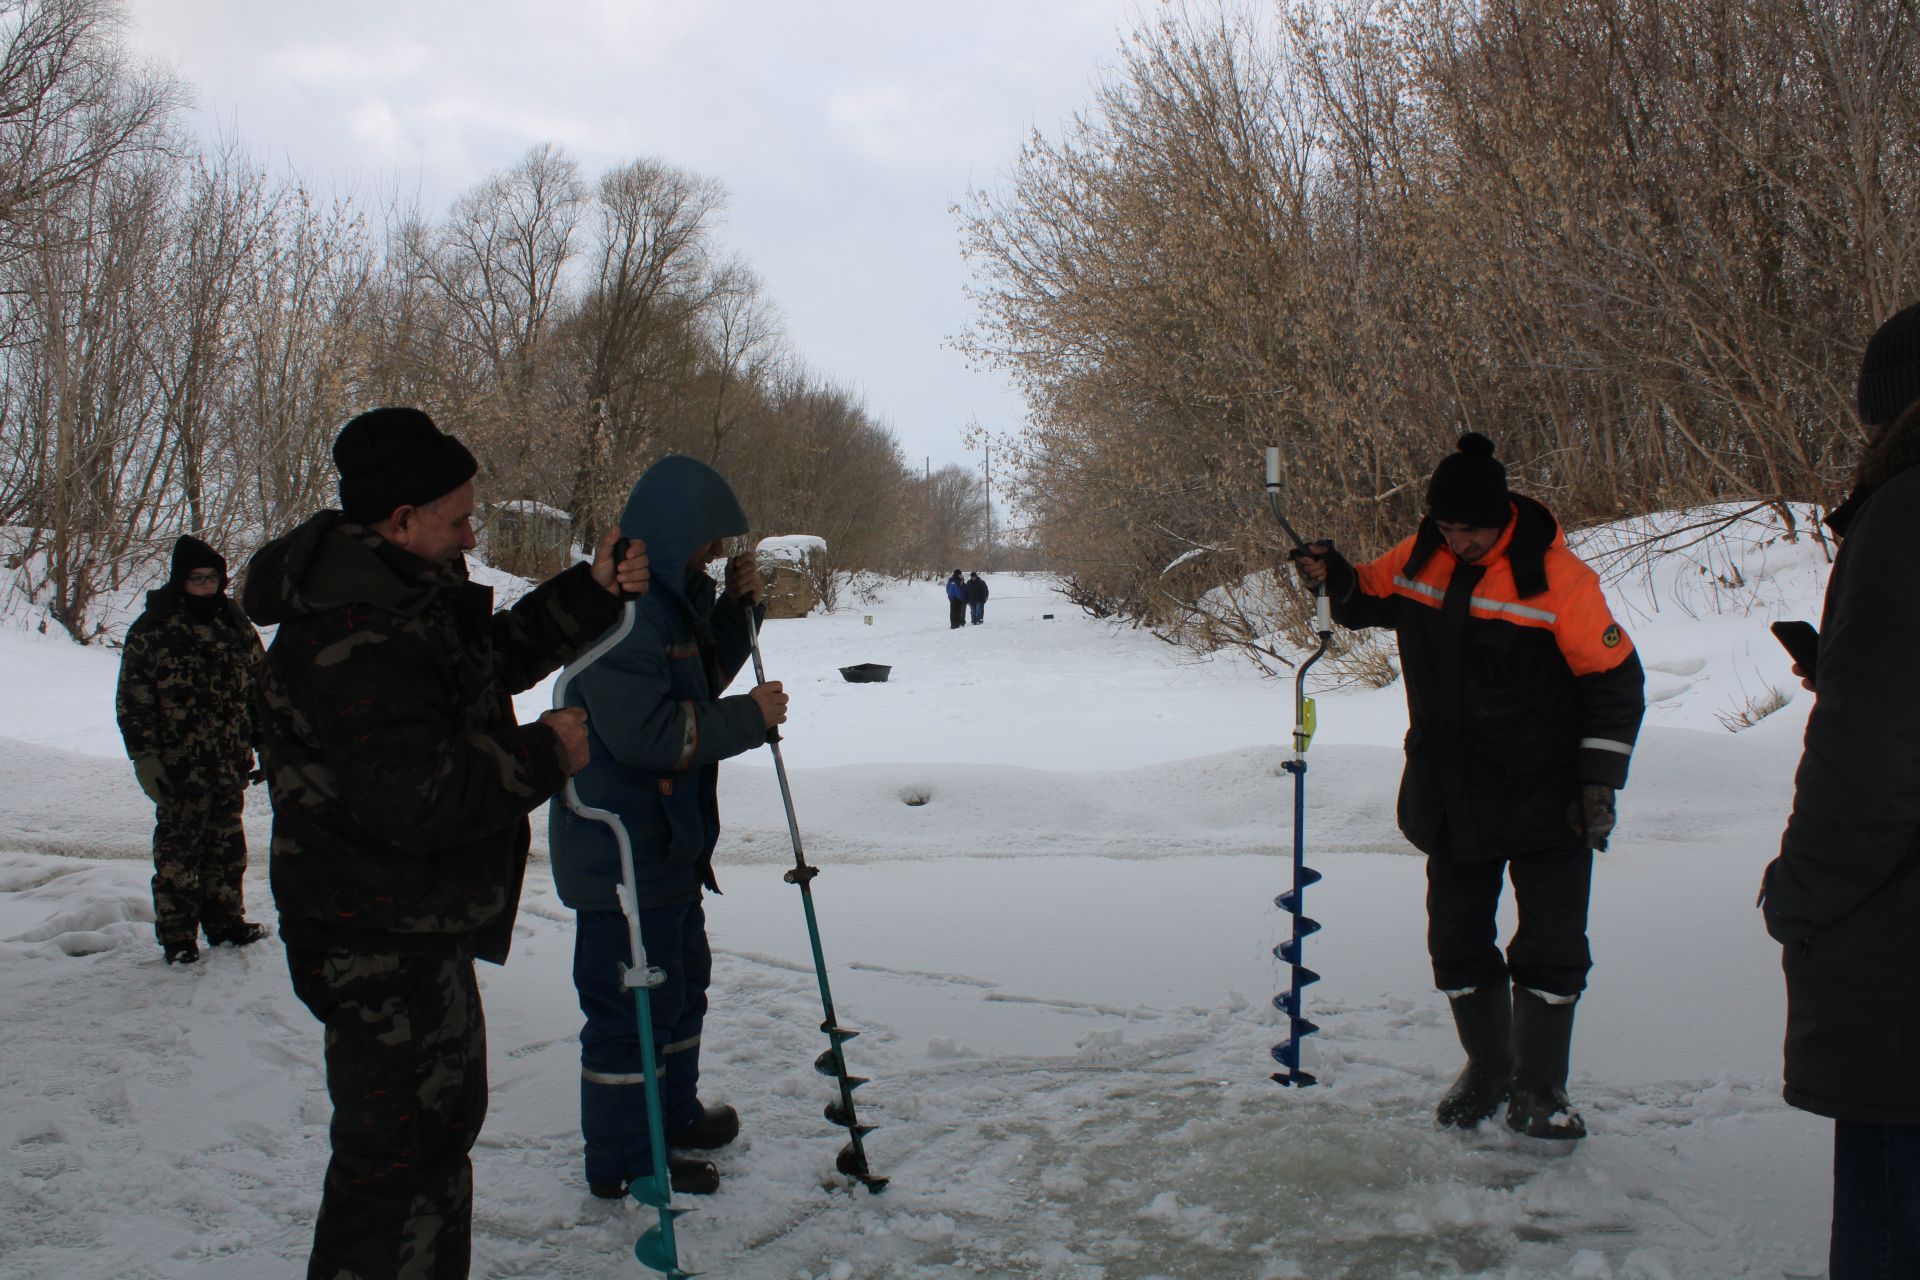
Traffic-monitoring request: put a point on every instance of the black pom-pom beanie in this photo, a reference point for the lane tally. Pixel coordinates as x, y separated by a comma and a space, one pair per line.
1470, 486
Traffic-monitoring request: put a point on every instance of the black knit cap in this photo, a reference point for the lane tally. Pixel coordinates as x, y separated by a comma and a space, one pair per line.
390, 458
1890, 370
189, 553
1470, 486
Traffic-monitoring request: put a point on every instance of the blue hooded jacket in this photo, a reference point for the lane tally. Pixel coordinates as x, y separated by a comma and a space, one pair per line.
656, 723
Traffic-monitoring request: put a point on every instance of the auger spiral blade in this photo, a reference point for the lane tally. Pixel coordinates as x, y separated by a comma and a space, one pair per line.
830, 1064
650, 1193
655, 1248
853, 1163
839, 1035
837, 1114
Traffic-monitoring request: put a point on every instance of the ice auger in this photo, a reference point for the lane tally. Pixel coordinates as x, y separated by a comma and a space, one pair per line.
852, 1159
1287, 1052
656, 1247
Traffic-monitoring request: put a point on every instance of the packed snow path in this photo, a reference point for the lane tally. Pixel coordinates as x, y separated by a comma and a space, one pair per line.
1049, 909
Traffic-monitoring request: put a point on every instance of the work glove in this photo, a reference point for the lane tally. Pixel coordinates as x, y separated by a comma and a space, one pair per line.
257, 776
1340, 575
151, 774
1592, 815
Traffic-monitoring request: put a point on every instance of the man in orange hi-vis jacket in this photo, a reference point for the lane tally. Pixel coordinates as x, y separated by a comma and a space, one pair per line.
1524, 698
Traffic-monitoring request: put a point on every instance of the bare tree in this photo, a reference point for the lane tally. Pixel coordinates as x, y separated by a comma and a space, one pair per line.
633, 332
1631, 240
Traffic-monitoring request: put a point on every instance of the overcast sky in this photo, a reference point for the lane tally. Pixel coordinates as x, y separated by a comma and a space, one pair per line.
843, 132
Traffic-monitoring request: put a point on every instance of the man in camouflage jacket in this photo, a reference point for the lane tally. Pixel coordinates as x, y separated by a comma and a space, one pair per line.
186, 710
401, 786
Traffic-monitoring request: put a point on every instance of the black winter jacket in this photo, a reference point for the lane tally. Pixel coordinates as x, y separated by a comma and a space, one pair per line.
401, 781
1520, 685
1843, 896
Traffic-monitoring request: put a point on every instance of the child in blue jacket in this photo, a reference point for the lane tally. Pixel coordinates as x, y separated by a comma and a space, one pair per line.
659, 728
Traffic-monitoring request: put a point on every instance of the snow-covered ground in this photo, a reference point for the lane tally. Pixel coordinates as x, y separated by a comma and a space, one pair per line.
1051, 848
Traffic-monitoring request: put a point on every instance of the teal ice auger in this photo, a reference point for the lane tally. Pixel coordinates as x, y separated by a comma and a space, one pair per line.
852, 1159
656, 1247
1287, 1052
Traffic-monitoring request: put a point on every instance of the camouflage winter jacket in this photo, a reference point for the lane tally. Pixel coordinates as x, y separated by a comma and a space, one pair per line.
187, 687
401, 783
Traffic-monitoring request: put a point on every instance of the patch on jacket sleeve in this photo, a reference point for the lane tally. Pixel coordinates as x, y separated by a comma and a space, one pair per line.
1612, 636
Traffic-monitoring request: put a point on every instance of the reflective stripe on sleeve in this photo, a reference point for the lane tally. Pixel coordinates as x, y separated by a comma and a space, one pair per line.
1607, 744
1517, 610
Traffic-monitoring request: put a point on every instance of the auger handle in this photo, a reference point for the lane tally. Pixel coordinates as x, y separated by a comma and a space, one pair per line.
1322, 610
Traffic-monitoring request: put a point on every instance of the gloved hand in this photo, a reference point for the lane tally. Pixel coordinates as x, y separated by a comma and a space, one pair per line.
151, 774
1592, 814
257, 776
1318, 562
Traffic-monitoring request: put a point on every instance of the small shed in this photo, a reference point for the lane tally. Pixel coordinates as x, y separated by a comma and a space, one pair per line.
791, 566
529, 538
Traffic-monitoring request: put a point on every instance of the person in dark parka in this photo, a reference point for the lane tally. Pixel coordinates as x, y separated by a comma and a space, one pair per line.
1524, 700
186, 709
401, 783
977, 597
1843, 896
956, 602
659, 727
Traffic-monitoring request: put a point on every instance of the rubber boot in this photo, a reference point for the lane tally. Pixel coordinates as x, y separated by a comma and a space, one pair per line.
1483, 1017
1542, 1042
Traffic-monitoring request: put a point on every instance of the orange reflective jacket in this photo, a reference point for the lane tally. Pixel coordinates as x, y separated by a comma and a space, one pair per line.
1520, 684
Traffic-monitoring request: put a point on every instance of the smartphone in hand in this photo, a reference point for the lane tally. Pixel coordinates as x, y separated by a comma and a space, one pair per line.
1800, 641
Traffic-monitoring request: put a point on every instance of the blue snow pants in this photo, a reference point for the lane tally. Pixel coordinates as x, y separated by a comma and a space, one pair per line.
613, 1098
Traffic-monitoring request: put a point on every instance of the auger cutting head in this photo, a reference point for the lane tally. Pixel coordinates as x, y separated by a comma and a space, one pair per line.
656, 1248
656, 1251
853, 1162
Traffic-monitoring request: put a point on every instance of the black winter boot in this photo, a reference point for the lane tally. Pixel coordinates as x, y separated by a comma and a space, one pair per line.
689, 1176
1542, 1043
183, 952
716, 1127
243, 934
1483, 1017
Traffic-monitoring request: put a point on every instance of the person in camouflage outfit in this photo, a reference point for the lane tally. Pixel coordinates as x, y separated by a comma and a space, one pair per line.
401, 786
186, 710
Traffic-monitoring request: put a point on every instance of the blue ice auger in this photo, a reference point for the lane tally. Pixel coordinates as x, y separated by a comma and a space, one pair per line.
1287, 1052
852, 1159
655, 1248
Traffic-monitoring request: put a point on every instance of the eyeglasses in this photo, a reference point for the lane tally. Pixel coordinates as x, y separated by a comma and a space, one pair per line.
203, 578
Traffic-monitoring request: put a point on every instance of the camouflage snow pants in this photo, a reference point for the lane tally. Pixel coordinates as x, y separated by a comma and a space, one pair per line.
407, 1072
199, 856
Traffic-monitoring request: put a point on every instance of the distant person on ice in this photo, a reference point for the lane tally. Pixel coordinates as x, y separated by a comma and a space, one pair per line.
956, 602
977, 597
1524, 699
187, 714
1843, 897
401, 786
659, 728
